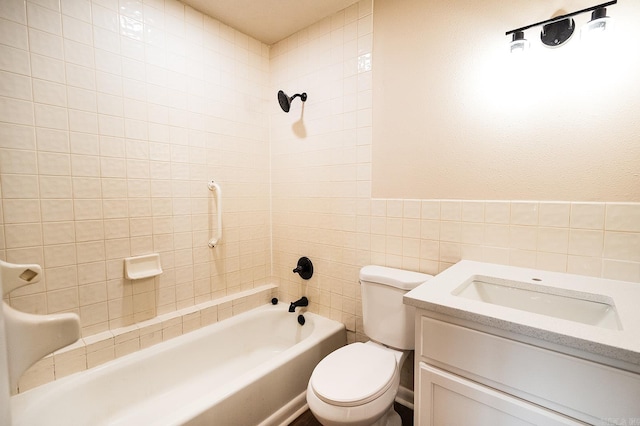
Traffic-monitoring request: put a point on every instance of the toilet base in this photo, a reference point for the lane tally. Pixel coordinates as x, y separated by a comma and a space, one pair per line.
392, 418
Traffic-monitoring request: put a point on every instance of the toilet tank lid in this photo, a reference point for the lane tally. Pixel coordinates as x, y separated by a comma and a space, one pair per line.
399, 278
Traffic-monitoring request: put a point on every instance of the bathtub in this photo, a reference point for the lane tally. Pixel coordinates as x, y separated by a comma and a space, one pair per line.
251, 369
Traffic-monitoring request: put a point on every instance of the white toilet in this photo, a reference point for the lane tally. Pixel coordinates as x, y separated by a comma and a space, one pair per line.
357, 384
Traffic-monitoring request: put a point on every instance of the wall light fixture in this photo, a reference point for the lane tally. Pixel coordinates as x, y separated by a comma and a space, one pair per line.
557, 31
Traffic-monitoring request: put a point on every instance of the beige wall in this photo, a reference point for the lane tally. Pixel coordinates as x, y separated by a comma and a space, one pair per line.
322, 165
458, 117
323, 202
121, 169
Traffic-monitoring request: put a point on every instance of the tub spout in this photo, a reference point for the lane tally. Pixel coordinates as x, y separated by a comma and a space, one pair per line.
303, 301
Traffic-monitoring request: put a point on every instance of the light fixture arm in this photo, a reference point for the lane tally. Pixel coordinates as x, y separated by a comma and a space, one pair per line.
563, 17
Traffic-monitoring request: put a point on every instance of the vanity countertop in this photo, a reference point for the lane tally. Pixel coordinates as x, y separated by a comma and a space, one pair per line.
618, 348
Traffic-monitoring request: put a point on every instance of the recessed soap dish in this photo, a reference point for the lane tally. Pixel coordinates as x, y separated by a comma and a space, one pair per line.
145, 266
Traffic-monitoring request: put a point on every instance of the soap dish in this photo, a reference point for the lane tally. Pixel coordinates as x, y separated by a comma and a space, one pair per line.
145, 266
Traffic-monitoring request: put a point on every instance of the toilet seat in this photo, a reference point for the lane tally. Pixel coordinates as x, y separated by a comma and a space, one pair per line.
354, 375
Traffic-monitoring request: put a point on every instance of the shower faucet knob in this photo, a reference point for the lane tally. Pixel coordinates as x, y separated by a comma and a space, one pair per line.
304, 268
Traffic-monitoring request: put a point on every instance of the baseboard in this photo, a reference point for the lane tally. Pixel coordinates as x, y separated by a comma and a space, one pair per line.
405, 397
287, 414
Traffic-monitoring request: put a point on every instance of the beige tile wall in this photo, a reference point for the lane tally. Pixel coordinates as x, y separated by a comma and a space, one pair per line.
321, 159
103, 347
114, 115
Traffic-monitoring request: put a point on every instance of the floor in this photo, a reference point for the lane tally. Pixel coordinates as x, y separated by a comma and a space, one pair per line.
307, 419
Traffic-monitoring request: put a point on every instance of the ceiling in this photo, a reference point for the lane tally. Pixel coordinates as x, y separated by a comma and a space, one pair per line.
269, 20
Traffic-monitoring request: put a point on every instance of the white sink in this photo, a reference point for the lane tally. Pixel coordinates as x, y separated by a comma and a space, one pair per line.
591, 309
596, 318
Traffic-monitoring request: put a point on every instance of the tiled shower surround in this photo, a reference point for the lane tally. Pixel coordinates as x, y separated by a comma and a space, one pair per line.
114, 115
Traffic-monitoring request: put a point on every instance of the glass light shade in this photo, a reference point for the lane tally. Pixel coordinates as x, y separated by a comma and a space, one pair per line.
518, 44
599, 24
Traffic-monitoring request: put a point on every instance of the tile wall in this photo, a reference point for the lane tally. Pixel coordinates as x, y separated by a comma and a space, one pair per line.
321, 159
114, 115
99, 348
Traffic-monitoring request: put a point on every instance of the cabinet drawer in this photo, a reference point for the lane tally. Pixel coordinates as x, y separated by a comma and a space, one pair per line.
572, 386
446, 399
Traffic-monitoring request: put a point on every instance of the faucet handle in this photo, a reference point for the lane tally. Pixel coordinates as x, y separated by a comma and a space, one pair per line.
13, 275
304, 268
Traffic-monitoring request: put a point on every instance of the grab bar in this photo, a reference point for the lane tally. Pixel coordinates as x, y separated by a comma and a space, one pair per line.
213, 186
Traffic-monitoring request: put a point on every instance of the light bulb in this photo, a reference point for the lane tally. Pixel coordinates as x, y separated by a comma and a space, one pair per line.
598, 24
518, 43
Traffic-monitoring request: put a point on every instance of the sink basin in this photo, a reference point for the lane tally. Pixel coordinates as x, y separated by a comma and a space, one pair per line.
586, 308
597, 318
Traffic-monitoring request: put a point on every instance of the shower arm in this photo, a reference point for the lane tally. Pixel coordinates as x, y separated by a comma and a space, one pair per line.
302, 96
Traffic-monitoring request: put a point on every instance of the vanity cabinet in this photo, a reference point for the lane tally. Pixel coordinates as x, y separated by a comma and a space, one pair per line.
467, 376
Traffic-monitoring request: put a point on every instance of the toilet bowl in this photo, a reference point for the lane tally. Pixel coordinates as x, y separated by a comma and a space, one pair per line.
343, 391
357, 384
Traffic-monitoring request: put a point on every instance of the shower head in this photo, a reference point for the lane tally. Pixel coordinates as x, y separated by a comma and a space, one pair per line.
285, 101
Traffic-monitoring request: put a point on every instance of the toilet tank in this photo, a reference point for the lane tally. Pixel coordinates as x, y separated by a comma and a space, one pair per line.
386, 318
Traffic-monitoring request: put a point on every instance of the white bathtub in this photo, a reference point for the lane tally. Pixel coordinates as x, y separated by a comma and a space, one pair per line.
246, 370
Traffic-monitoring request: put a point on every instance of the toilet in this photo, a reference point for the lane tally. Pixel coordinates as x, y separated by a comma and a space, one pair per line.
357, 384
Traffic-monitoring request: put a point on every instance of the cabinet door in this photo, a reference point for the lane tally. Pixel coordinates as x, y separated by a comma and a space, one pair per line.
449, 400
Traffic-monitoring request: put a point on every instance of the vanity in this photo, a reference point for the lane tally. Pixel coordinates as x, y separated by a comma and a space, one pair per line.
503, 345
